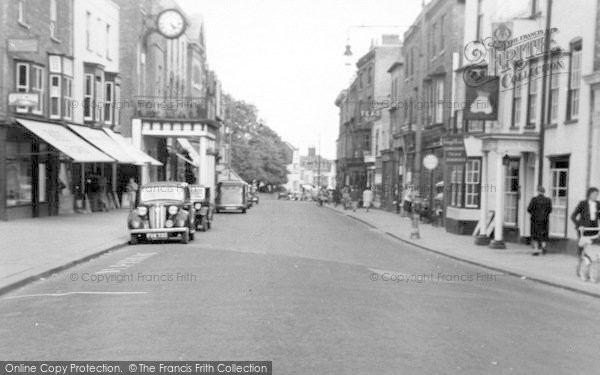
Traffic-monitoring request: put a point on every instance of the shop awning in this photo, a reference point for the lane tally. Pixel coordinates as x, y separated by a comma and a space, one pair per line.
140, 156
190, 150
102, 141
66, 142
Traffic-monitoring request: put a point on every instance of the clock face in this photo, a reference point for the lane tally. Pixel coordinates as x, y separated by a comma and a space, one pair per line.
171, 23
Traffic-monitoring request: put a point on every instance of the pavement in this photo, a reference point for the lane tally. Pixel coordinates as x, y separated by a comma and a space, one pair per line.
35, 248
309, 289
558, 270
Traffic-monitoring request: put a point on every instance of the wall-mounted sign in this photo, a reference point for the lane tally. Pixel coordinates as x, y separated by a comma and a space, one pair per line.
454, 150
22, 45
482, 100
23, 99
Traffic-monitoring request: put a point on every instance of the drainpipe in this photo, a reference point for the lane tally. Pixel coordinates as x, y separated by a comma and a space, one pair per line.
544, 113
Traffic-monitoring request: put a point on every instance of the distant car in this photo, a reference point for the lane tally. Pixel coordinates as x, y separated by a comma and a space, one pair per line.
163, 211
284, 195
204, 210
231, 196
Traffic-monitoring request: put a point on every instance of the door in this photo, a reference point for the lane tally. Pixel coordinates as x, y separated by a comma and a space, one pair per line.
511, 194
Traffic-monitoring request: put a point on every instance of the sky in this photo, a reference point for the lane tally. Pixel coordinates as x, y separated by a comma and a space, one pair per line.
286, 56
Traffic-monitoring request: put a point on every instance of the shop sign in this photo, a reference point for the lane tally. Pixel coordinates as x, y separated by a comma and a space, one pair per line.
23, 99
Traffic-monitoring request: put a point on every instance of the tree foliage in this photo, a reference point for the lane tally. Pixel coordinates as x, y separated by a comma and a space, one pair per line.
258, 153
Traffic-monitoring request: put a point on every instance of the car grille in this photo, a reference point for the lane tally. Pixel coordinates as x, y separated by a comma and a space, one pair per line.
157, 216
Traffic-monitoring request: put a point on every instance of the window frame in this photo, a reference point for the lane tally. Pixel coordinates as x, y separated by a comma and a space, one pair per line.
38, 74
88, 98
475, 183
18, 86
109, 102
53, 19
517, 103
532, 96
574, 85
57, 96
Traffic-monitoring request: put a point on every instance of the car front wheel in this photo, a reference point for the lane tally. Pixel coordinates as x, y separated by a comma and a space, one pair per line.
185, 238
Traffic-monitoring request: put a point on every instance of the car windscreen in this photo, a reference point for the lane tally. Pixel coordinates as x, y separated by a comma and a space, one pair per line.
151, 193
231, 194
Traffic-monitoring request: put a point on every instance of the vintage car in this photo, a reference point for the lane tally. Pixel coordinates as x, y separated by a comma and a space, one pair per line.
231, 196
203, 208
253, 194
163, 211
249, 202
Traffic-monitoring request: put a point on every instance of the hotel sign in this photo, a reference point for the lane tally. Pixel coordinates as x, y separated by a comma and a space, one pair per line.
454, 150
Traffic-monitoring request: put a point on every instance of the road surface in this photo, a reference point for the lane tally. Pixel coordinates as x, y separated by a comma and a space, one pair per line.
309, 289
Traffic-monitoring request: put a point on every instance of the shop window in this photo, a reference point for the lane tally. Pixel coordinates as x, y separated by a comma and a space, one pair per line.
472, 183
456, 181
18, 173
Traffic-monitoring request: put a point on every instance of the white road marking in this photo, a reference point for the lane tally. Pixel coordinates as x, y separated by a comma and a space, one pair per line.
72, 293
126, 263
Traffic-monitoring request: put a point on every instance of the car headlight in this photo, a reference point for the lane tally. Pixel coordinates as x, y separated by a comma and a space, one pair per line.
197, 206
135, 224
173, 210
169, 223
142, 211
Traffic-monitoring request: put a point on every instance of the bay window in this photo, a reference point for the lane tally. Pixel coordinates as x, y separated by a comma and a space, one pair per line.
55, 94
37, 86
465, 184
108, 102
88, 88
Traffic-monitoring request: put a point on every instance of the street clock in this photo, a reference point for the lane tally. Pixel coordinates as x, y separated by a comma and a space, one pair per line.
171, 23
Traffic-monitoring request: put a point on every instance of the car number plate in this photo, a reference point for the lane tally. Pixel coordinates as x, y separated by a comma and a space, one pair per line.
156, 236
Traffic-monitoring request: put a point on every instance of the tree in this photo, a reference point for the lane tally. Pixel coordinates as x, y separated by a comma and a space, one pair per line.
257, 153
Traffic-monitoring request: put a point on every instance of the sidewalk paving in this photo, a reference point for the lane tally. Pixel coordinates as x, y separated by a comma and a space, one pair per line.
552, 269
34, 248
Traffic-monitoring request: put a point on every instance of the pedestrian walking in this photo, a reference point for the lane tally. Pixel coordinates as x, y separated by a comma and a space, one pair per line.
367, 197
346, 197
407, 202
586, 215
132, 188
354, 198
539, 208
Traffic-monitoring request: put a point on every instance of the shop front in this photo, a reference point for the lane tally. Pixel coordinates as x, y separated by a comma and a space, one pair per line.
37, 168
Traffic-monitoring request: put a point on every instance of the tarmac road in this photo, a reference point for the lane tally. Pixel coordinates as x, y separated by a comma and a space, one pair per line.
309, 289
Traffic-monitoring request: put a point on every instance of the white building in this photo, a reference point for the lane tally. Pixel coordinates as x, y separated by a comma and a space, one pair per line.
293, 169
506, 164
96, 59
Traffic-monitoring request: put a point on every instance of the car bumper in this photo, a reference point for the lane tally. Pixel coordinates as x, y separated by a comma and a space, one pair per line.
232, 208
159, 230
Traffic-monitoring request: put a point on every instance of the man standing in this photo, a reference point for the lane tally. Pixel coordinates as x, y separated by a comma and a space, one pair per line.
367, 197
586, 215
539, 209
